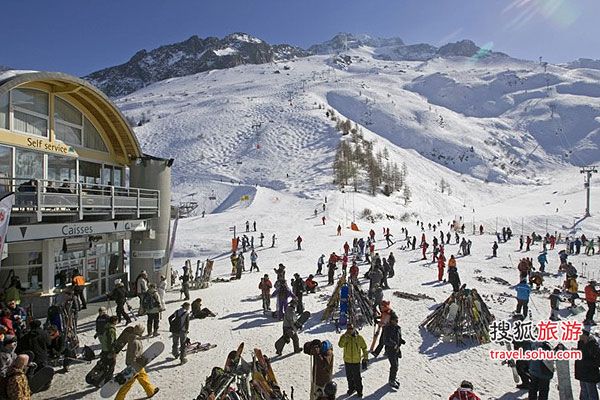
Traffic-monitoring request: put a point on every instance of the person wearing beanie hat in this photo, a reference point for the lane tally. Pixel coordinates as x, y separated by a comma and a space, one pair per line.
101, 321
464, 392
265, 286
179, 326
17, 386
393, 341
290, 329
119, 296
36, 342
151, 304
133, 355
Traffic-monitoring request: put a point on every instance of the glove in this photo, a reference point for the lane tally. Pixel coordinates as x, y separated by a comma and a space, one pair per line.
364, 364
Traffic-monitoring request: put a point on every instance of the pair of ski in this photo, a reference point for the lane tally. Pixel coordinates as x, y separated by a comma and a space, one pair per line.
264, 383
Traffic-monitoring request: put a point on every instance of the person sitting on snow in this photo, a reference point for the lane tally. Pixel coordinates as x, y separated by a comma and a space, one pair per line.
311, 284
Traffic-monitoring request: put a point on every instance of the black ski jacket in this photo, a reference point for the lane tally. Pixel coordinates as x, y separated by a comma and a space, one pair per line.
586, 369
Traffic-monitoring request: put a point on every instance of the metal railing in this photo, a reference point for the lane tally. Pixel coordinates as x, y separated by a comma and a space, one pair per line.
45, 197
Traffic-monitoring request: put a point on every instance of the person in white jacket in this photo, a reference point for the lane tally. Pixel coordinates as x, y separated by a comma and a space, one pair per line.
162, 288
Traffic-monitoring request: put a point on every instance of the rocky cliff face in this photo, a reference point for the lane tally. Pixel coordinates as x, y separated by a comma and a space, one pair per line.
189, 57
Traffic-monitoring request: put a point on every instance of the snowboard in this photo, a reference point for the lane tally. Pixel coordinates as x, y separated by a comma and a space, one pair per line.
263, 377
343, 307
512, 365
302, 319
216, 384
111, 387
563, 374
197, 347
206, 273
233, 359
122, 340
41, 380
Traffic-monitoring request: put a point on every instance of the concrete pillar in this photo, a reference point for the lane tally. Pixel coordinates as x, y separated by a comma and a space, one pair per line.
50, 248
152, 173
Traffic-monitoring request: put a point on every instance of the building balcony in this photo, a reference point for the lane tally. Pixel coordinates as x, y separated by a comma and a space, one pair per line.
41, 199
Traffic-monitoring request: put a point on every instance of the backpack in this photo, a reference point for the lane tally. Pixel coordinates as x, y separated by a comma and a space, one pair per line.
101, 323
175, 322
149, 301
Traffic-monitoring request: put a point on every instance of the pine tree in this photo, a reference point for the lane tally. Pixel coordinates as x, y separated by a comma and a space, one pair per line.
386, 153
397, 178
406, 194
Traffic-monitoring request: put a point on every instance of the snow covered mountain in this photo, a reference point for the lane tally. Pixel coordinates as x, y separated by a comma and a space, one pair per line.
584, 63
494, 119
186, 58
197, 55
346, 41
396, 49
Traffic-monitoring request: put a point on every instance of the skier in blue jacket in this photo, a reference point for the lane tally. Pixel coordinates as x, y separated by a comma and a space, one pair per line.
523, 290
543, 261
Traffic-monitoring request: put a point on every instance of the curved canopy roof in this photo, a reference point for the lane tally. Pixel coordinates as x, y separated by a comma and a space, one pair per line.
121, 138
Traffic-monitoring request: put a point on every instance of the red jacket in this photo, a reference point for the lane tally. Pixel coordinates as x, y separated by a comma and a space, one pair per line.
354, 270
265, 286
7, 322
591, 295
463, 394
334, 259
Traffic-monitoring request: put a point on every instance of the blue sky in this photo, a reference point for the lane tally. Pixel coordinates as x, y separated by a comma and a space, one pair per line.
82, 36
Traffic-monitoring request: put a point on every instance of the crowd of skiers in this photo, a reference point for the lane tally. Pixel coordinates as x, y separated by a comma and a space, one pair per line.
27, 346
536, 375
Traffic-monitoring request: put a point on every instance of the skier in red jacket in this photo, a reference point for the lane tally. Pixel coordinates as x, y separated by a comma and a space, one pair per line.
464, 392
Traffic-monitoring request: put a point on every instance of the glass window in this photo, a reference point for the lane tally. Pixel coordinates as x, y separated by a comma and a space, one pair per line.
62, 169
28, 164
30, 100
118, 176
25, 260
30, 111
66, 112
89, 172
67, 133
92, 139
107, 175
4, 111
28, 123
5, 168
68, 123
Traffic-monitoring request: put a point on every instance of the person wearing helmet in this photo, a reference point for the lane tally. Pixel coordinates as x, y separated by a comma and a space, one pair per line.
322, 367
329, 391
464, 392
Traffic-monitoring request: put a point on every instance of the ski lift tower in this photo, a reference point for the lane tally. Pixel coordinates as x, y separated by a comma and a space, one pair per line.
588, 170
